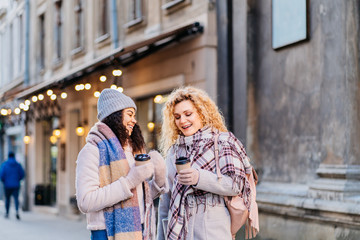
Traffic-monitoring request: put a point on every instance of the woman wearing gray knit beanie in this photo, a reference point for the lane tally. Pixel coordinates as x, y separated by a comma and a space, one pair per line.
115, 194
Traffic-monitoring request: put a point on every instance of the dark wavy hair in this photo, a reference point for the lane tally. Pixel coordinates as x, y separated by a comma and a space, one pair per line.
115, 122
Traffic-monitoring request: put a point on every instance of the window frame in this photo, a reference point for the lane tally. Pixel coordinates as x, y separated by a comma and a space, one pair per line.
173, 5
41, 44
79, 26
103, 21
58, 31
137, 7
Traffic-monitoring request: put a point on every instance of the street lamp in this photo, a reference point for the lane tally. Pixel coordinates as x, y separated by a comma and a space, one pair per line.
80, 131
26, 139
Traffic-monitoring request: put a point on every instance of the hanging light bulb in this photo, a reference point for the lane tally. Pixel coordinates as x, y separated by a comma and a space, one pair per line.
17, 111
27, 102
102, 78
4, 112
120, 89
158, 99
57, 133
117, 72
34, 98
40, 97
53, 139
113, 86
151, 126
53, 97
87, 86
63, 95
96, 94
49, 92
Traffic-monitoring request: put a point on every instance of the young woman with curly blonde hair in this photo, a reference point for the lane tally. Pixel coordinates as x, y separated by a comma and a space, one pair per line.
195, 208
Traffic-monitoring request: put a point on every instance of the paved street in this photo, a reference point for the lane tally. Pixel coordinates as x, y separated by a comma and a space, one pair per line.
41, 226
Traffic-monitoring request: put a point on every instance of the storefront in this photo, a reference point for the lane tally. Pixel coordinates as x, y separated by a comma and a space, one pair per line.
60, 114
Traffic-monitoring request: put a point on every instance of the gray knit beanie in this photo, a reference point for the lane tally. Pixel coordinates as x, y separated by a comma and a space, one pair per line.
111, 101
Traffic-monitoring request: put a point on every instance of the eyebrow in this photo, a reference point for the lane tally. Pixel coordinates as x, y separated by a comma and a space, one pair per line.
131, 111
186, 110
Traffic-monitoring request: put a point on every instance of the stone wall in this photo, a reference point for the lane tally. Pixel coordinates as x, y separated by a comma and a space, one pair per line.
303, 123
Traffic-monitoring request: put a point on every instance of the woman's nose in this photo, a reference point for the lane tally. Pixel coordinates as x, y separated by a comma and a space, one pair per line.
182, 119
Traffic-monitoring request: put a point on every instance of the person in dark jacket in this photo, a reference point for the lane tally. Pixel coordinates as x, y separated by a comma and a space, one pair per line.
11, 173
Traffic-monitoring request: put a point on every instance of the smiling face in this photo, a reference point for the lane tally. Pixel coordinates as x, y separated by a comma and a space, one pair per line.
187, 119
129, 120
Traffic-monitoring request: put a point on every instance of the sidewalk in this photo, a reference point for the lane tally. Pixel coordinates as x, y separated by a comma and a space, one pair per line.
35, 226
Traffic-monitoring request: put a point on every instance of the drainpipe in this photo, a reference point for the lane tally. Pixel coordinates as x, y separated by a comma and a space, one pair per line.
27, 43
114, 24
224, 60
26, 206
240, 63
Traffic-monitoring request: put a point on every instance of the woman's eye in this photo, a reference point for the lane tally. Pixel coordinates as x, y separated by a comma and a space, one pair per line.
188, 114
177, 117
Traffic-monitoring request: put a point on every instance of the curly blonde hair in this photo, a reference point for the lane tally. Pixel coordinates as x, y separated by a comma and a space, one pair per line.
205, 106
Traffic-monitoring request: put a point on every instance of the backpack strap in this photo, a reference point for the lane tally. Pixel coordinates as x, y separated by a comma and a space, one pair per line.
218, 173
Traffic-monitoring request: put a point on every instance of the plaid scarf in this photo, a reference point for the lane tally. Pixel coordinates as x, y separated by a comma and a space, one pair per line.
200, 149
122, 220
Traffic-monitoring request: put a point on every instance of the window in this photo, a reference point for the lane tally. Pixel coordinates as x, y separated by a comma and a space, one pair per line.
79, 24
149, 119
135, 14
21, 43
135, 9
42, 41
103, 10
58, 30
2, 62
11, 52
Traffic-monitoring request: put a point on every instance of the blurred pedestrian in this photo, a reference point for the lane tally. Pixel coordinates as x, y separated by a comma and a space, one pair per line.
116, 195
11, 173
194, 208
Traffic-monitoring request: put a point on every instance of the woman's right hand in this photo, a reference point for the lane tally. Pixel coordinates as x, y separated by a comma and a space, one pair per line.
189, 176
139, 174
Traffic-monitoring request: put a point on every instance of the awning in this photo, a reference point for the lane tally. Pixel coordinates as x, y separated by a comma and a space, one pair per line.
123, 57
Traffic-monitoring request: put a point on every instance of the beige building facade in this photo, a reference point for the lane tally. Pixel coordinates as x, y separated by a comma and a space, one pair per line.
72, 48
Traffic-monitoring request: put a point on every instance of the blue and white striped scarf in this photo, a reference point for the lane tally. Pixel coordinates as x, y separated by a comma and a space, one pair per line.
123, 221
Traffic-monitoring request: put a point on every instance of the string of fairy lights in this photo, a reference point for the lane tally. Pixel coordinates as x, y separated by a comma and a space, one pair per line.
52, 95
25, 106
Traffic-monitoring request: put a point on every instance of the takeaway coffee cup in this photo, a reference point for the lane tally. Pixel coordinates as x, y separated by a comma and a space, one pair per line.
182, 163
141, 159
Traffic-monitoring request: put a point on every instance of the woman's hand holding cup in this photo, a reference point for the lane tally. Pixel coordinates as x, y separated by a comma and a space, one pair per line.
139, 174
189, 176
